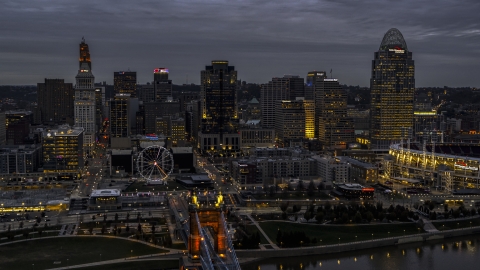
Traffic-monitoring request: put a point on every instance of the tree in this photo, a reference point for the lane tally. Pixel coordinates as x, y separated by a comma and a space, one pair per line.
271, 191
431, 205
301, 185
116, 217
319, 216
284, 206
328, 206
369, 216
307, 215
311, 189
358, 217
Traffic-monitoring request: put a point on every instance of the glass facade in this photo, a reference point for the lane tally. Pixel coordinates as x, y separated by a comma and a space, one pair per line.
335, 128
219, 98
392, 90
63, 150
125, 82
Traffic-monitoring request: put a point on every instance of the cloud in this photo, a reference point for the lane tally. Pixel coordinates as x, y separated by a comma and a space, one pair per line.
263, 39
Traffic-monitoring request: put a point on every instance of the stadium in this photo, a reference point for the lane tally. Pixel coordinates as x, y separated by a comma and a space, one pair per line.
443, 166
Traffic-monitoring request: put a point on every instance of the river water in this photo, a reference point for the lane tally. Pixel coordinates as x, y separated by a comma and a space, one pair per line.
448, 254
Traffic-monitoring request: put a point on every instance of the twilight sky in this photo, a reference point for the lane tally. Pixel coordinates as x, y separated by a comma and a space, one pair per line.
261, 38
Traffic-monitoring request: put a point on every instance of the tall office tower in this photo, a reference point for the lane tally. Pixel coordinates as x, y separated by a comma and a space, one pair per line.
196, 120
125, 82
163, 125
119, 116
146, 92
219, 119
84, 104
140, 119
285, 88
392, 87
294, 120
162, 85
153, 110
99, 106
335, 128
55, 101
3, 129
312, 77
63, 149
177, 132
296, 85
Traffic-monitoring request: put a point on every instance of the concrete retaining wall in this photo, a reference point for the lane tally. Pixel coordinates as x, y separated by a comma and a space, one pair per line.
291, 252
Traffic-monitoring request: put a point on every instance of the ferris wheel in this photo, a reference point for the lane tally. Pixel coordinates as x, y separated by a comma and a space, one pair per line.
155, 163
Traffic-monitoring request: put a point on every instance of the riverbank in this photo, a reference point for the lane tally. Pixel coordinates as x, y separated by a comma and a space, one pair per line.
248, 256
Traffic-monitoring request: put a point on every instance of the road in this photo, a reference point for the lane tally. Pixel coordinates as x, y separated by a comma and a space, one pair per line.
220, 181
94, 173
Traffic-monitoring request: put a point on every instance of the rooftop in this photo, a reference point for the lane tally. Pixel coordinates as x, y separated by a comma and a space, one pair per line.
105, 193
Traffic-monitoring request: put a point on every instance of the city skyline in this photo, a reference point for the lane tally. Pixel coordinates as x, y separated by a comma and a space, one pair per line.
262, 40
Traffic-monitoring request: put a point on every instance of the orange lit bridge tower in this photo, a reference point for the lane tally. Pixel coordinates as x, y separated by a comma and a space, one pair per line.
209, 243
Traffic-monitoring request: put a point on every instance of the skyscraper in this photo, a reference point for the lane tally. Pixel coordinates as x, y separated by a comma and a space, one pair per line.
294, 120
55, 101
310, 84
162, 85
84, 104
335, 129
119, 116
284, 88
125, 82
219, 119
312, 78
392, 87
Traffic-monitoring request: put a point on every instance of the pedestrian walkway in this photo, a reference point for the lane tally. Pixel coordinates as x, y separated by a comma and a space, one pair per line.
428, 226
261, 231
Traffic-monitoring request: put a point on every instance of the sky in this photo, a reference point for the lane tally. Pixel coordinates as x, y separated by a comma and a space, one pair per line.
261, 38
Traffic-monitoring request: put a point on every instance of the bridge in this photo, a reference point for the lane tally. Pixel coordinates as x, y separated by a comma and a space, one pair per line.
202, 226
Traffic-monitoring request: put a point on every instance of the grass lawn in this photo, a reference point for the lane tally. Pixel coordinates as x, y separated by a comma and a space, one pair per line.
168, 264
251, 229
456, 224
35, 235
78, 250
330, 234
179, 246
139, 186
